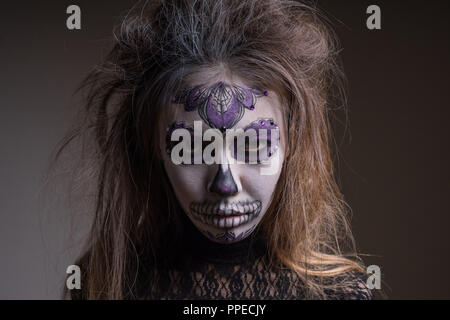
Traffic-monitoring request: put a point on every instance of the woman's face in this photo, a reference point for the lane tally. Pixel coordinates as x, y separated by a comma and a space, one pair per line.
227, 198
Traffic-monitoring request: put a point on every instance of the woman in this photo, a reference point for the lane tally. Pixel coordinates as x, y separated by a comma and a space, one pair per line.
274, 228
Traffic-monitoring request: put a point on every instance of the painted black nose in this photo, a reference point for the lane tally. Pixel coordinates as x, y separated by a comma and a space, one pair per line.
223, 183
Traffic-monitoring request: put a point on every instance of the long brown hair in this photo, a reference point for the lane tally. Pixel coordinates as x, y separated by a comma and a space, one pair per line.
280, 45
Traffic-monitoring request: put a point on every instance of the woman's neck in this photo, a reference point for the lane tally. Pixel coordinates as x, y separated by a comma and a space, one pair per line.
200, 248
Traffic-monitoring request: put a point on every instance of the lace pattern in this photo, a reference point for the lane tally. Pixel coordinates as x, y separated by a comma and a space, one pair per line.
254, 281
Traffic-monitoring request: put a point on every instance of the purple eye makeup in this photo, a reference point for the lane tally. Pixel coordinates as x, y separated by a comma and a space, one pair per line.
259, 146
256, 143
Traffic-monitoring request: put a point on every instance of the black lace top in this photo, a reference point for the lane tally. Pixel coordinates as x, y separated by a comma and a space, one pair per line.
204, 269
210, 270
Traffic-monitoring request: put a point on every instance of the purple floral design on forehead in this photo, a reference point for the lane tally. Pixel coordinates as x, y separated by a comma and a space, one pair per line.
221, 106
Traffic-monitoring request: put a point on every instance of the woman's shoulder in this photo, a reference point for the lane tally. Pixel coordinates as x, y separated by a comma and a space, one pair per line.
351, 285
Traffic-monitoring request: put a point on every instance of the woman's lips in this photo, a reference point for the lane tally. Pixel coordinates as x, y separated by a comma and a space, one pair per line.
226, 215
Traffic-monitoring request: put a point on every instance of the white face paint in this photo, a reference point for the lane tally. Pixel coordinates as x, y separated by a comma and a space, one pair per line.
226, 201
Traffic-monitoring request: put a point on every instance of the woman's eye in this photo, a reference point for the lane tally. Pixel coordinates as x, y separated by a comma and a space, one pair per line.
253, 146
198, 150
249, 147
195, 148
252, 151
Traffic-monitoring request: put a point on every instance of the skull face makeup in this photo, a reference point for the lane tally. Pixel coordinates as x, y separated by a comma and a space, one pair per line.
225, 200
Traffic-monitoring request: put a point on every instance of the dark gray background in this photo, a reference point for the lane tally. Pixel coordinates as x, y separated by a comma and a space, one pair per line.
394, 170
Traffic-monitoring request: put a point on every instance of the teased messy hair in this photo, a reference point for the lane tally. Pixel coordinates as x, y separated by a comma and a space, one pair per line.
280, 45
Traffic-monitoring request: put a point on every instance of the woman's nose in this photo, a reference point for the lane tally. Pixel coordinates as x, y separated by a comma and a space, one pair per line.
223, 183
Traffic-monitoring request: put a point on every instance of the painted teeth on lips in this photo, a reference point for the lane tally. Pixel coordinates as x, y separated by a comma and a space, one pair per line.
235, 208
226, 216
